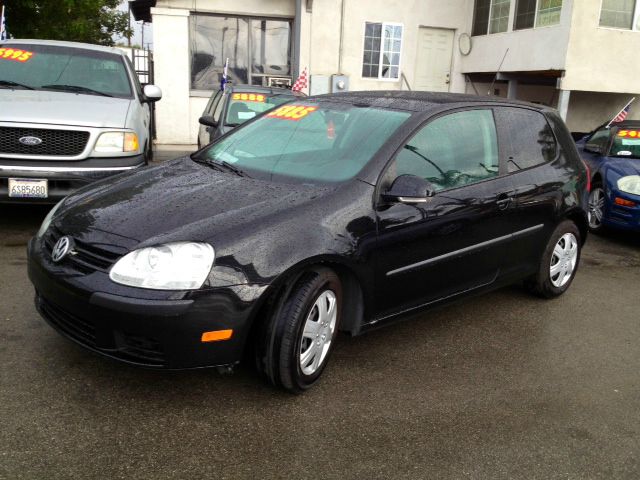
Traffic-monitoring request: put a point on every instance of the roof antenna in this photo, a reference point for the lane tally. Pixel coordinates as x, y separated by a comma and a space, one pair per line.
497, 72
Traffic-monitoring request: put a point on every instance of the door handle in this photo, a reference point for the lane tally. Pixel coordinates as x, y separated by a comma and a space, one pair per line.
503, 201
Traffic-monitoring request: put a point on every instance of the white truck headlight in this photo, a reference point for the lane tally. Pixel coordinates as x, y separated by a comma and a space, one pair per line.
47, 220
630, 184
173, 266
117, 142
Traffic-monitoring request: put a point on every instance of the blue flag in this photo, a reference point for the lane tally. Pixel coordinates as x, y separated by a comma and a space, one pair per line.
223, 82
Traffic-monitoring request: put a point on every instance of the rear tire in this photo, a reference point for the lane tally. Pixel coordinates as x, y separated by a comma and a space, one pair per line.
294, 345
559, 262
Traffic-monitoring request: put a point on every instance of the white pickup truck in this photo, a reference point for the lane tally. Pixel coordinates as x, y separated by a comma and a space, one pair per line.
70, 114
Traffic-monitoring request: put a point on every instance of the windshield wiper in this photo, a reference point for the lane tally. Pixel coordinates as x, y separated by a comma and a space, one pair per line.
233, 169
222, 166
9, 83
231, 124
76, 88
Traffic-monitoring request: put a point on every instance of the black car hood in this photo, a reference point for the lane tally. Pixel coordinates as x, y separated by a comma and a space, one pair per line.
179, 200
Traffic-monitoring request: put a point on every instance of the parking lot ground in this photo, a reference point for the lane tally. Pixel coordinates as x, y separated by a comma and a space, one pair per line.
162, 153
504, 386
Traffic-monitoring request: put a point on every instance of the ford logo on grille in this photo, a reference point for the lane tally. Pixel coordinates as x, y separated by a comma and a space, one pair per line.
61, 249
30, 140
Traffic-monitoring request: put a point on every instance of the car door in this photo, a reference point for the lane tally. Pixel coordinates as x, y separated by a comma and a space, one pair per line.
536, 166
452, 243
205, 132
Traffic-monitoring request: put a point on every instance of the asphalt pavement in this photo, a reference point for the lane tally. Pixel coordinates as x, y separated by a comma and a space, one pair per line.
503, 386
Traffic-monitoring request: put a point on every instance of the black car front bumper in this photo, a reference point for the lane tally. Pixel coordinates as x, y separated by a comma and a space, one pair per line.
145, 329
64, 177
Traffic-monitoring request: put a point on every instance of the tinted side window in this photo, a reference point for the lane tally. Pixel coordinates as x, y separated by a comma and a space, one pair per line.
598, 141
528, 138
453, 150
213, 101
218, 107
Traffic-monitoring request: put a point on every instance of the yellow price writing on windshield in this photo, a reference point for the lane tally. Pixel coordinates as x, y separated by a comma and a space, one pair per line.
15, 54
249, 97
292, 112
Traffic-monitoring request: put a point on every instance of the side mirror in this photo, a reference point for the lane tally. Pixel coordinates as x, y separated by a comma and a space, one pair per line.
593, 148
409, 189
152, 93
208, 121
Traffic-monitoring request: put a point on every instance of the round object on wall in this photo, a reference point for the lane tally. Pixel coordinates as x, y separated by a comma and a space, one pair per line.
464, 44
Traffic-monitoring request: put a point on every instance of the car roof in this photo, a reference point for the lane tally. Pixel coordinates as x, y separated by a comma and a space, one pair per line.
260, 89
58, 43
418, 101
627, 123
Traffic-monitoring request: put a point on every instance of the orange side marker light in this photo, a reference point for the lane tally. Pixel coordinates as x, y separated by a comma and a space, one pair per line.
624, 202
216, 336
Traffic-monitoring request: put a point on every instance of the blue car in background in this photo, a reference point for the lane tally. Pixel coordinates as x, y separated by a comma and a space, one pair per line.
613, 157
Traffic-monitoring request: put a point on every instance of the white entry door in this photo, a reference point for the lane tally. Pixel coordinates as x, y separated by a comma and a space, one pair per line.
433, 62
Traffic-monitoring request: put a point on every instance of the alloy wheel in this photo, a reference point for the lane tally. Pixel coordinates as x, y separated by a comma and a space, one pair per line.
596, 207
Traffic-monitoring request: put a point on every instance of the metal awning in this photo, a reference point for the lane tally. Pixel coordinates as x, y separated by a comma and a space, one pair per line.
141, 9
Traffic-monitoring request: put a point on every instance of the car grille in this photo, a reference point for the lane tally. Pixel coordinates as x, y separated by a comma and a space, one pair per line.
62, 143
140, 349
126, 346
86, 258
83, 331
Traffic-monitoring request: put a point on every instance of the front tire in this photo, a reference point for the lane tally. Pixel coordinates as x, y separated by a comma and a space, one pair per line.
295, 346
596, 208
559, 262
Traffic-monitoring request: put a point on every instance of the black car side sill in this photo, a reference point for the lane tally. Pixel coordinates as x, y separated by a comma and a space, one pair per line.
463, 251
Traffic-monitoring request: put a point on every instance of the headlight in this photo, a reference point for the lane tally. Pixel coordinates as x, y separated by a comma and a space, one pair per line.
630, 184
47, 220
173, 266
114, 142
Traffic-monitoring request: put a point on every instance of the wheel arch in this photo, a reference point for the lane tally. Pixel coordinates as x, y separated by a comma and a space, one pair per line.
597, 178
579, 217
352, 292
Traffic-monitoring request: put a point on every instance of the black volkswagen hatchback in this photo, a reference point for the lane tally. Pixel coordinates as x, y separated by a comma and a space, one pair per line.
338, 212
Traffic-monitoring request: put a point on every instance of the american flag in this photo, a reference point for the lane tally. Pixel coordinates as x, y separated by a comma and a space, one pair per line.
223, 80
622, 115
301, 83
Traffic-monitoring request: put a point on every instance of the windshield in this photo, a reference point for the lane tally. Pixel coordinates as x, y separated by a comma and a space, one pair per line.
246, 105
307, 142
48, 67
626, 143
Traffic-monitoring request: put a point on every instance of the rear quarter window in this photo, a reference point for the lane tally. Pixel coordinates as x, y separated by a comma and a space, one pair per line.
527, 139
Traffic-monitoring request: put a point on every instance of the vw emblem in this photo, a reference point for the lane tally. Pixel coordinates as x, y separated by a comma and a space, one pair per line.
61, 249
30, 141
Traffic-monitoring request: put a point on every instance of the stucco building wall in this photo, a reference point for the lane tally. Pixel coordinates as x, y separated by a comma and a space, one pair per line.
597, 67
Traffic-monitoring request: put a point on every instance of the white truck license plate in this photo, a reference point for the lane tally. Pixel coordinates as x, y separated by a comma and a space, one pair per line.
28, 188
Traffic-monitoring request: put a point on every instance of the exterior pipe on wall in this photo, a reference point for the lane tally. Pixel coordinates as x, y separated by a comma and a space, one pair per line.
341, 37
297, 26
